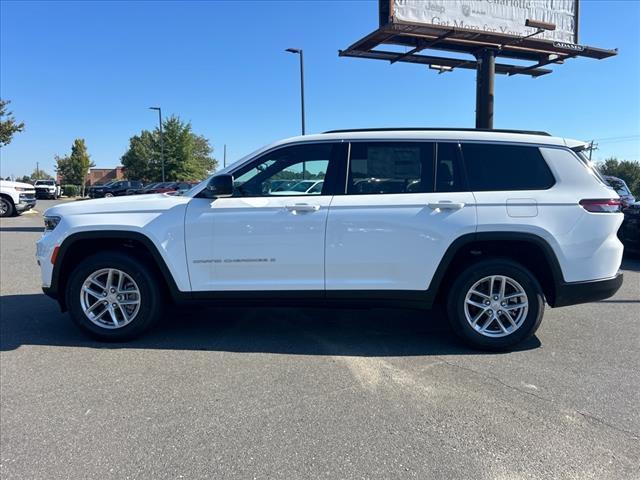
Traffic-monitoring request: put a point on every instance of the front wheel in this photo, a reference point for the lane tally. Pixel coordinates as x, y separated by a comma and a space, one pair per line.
495, 304
113, 297
6, 207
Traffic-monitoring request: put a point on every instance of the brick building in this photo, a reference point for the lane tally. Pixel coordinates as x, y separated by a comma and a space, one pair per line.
101, 175
104, 175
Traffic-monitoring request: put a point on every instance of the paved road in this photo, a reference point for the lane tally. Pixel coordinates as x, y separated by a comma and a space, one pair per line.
309, 393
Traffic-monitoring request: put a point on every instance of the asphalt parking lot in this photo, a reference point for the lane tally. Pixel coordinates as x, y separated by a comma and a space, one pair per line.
312, 393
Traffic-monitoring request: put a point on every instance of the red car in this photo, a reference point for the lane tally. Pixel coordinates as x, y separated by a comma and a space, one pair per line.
169, 187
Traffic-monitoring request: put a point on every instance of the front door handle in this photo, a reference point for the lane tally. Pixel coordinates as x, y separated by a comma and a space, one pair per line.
302, 207
446, 205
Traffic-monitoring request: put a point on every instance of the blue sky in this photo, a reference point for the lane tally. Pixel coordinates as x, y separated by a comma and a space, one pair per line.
91, 69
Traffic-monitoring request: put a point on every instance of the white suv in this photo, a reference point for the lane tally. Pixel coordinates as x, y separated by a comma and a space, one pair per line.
493, 224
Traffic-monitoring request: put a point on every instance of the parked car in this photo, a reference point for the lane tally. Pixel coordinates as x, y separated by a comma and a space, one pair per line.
493, 224
620, 186
145, 189
47, 189
307, 187
629, 232
184, 187
114, 189
276, 185
16, 197
170, 187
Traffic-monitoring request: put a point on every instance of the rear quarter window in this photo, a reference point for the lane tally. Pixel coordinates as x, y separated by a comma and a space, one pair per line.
495, 167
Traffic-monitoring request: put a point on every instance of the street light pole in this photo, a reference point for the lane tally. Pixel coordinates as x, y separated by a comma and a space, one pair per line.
161, 138
299, 51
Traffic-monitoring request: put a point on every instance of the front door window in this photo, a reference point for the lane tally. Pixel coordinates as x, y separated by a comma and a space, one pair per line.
292, 171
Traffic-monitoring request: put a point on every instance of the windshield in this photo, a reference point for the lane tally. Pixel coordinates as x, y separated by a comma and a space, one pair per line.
45, 182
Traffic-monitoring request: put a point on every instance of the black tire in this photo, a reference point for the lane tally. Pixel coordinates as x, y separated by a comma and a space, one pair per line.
151, 305
7, 209
474, 273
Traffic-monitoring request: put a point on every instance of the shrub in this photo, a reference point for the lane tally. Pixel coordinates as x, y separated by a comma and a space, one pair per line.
70, 190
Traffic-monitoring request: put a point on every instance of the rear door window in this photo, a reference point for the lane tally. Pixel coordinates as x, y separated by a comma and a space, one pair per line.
499, 167
390, 167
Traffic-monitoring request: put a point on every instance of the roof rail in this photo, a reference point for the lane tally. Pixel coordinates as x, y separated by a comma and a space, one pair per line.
421, 129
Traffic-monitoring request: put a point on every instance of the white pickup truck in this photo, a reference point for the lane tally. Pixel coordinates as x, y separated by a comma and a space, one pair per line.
16, 197
47, 189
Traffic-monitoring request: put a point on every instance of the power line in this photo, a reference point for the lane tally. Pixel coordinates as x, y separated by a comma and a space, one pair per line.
624, 137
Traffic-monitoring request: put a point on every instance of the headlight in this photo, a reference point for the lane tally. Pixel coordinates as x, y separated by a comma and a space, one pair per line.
22, 189
50, 223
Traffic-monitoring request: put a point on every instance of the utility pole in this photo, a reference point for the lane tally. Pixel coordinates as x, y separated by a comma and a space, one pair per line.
37, 171
592, 147
225, 156
161, 137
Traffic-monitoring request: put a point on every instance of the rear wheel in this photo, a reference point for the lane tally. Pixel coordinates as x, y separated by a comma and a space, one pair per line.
6, 207
495, 304
113, 297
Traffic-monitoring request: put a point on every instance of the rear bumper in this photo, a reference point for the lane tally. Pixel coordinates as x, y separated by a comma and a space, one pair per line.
573, 293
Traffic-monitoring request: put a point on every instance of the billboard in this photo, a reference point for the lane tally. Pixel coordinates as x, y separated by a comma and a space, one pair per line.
505, 17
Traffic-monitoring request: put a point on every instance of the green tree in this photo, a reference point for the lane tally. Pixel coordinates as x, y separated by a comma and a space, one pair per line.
187, 155
8, 124
63, 168
138, 158
39, 174
627, 170
74, 168
24, 179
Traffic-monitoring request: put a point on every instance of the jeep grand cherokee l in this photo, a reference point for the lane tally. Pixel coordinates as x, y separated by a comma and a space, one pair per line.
493, 224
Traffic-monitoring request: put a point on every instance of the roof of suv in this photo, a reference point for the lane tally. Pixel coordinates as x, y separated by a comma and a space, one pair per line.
459, 134
462, 134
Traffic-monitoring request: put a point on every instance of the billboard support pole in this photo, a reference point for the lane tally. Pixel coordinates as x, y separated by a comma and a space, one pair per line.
485, 79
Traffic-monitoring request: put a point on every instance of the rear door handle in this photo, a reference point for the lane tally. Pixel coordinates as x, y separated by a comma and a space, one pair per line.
302, 207
446, 205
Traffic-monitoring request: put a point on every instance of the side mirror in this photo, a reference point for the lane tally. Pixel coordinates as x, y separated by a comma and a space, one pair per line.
221, 186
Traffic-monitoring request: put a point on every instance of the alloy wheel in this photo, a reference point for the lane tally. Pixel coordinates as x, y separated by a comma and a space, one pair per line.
496, 306
110, 298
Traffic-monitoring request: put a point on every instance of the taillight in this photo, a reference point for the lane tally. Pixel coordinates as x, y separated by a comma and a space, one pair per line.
602, 205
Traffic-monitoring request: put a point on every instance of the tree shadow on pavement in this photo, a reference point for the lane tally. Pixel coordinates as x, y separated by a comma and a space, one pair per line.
36, 320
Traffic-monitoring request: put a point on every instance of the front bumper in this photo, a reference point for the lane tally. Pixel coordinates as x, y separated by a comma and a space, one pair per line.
45, 193
25, 204
572, 293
